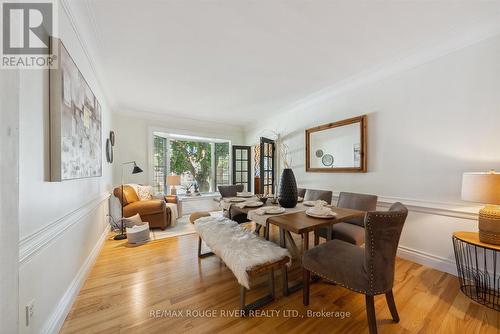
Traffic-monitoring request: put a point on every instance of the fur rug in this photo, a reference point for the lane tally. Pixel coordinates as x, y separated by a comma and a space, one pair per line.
239, 248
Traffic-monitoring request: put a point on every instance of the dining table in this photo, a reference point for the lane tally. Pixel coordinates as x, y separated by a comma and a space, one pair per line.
292, 220
302, 224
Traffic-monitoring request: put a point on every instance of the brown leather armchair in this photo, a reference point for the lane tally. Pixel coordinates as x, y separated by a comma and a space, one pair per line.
153, 211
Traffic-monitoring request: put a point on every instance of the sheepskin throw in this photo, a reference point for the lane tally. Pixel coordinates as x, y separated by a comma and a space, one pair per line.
239, 248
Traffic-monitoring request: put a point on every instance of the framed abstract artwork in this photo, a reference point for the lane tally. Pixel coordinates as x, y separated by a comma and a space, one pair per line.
75, 121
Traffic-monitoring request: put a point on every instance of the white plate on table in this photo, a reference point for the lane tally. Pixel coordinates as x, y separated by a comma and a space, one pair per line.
254, 204
244, 194
274, 210
237, 200
315, 215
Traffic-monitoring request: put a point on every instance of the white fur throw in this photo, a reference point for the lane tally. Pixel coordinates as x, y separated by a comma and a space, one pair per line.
239, 248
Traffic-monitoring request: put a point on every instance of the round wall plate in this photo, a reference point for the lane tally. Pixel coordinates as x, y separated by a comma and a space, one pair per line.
327, 160
319, 153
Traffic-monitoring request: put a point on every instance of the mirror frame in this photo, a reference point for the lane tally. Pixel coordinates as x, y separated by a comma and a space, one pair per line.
363, 166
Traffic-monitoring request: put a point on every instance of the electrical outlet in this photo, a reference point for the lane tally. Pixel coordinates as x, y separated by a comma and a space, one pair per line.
30, 311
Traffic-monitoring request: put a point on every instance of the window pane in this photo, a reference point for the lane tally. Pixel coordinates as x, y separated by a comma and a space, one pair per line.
244, 166
244, 154
245, 177
238, 154
192, 160
238, 177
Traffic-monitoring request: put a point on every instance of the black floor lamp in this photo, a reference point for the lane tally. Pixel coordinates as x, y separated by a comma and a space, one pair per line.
136, 170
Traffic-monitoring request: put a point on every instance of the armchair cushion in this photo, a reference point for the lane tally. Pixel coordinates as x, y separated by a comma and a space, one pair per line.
145, 208
339, 262
129, 194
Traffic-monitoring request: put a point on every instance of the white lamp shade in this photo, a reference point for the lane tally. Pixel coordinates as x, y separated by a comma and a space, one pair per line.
481, 187
173, 180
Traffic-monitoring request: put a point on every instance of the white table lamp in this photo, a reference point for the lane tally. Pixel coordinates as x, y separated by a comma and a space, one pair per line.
172, 181
485, 188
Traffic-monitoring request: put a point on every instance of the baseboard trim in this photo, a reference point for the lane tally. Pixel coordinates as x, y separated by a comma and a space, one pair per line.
32, 244
429, 260
56, 320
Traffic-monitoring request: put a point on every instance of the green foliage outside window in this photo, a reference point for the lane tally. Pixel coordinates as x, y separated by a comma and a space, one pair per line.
193, 157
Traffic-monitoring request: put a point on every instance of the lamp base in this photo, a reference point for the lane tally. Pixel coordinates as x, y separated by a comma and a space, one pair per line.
489, 225
120, 237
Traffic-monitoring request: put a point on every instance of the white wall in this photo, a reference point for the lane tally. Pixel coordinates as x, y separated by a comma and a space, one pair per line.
133, 138
9, 200
62, 224
426, 126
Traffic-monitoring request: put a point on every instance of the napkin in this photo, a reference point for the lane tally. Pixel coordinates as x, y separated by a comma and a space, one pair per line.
321, 210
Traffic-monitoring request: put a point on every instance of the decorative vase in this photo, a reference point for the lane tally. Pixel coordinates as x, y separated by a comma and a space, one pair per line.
288, 189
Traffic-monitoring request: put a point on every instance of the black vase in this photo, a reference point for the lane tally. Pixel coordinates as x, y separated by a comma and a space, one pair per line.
288, 189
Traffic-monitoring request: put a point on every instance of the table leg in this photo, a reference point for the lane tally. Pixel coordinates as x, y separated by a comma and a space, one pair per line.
329, 233
266, 231
282, 238
305, 242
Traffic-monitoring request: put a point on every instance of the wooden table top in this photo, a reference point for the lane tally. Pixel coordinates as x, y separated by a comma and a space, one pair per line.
473, 238
300, 222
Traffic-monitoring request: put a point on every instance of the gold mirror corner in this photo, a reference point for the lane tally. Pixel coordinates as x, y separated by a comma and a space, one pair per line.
338, 147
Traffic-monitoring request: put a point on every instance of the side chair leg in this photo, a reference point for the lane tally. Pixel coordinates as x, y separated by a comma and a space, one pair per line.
392, 305
257, 229
316, 239
370, 314
306, 278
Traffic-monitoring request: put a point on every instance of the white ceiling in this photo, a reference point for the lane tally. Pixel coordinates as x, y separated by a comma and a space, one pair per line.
233, 61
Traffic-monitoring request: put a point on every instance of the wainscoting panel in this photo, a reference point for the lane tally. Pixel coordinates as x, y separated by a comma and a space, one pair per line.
55, 261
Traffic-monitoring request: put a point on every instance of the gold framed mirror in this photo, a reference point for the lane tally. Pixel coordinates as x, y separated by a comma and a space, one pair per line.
337, 147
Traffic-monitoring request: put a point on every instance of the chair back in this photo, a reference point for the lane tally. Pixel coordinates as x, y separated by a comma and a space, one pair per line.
230, 191
301, 192
355, 201
382, 232
129, 195
315, 195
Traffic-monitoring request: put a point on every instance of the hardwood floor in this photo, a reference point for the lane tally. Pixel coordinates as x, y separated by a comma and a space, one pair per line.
128, 283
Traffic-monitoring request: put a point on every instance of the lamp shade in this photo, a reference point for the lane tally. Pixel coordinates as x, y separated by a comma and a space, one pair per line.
173, 180
481, 187
136, 169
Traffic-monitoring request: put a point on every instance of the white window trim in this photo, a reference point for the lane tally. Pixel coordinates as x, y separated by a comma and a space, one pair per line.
185, 134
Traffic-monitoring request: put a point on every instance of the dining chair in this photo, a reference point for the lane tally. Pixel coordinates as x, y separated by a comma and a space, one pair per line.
315, 195
352, 230
368, 270
231, 190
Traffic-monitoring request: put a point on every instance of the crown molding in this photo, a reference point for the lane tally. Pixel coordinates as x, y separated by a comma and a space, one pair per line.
381, 72
66, 5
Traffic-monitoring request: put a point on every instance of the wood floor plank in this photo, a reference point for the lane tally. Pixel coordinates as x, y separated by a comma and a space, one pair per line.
127, 284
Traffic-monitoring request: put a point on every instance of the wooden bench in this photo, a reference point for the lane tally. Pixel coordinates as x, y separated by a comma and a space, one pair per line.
231, 242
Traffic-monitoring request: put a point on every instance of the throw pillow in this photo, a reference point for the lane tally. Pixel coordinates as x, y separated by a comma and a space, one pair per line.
132, 221
145, 192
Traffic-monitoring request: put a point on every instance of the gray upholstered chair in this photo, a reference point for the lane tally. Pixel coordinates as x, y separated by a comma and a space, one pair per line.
230, 191
351, 231
368, 270
315, 195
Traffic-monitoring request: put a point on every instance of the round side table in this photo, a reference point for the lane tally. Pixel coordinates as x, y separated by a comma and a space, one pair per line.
478, 268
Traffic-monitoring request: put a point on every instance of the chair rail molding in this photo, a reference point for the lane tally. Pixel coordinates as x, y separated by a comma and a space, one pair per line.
433, 208
32, 244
